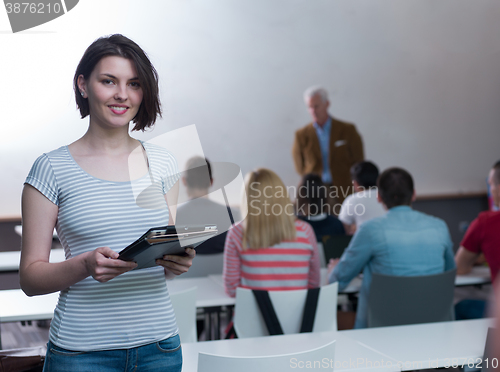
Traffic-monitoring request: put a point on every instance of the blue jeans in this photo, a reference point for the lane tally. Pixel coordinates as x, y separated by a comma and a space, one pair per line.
162, 356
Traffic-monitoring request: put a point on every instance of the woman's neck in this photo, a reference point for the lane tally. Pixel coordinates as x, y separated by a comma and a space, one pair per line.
111, 156
114, 141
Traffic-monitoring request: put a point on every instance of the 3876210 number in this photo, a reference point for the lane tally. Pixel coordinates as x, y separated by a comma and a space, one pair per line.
471, 363
33, 8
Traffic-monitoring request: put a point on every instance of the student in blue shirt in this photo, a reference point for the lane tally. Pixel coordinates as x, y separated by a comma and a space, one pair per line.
403, 242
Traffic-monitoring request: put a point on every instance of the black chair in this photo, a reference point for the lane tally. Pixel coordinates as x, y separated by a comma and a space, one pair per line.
399, 300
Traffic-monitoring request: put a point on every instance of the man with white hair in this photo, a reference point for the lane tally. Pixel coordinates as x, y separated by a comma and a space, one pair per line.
327, 146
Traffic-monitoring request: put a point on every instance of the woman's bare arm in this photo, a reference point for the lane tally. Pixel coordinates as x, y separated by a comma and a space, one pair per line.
37, 275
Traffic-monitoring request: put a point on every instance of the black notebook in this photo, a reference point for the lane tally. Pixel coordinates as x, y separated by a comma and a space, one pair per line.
159, 241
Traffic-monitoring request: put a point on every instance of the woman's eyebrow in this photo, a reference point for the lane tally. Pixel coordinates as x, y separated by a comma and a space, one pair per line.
114, 77
108, 75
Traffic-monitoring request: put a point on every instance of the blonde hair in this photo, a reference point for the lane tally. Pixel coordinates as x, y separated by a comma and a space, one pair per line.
270, 217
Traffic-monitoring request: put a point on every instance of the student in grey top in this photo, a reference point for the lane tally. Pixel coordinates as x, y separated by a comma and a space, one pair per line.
200, 209
363, 204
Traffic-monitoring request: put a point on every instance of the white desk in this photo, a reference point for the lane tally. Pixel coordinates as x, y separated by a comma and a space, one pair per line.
16, 306
350, 355
209, 292
9, 261
353, 286
413, 347
423, 346
479, 275
432, 345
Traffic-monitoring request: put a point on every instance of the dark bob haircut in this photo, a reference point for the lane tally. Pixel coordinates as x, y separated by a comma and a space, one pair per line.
121, 46
395, 187
365, 173
196, 173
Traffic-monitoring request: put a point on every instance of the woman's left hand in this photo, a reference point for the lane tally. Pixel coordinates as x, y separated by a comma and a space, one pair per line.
177, 264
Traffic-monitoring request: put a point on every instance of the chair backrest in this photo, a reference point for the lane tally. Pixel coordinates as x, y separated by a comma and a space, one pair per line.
398, 300
205, 264
270, 363
489, 363
289, 308
335, 245
321, 252
184, 304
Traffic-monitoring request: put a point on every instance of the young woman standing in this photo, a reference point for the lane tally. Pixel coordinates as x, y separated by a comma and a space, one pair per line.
108, 317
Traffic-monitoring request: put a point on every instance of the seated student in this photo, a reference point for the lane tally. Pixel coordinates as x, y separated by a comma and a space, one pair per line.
403, 242
311, 206
200, 209
363, 204
270, 249
482, 236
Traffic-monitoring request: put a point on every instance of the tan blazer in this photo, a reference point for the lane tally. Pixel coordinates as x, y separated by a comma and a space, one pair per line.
346, 149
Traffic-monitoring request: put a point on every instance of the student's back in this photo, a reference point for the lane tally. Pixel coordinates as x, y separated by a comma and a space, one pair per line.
270, 249
403, 242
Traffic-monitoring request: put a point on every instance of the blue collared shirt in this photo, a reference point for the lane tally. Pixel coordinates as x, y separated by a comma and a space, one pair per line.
324, 144
403, 242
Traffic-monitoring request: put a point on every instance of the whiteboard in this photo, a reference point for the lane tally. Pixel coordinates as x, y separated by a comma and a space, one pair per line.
419, 78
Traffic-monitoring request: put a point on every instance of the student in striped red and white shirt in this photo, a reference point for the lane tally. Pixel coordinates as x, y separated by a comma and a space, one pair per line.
270, 249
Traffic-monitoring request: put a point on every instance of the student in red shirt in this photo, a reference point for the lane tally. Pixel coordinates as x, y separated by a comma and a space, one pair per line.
483, 236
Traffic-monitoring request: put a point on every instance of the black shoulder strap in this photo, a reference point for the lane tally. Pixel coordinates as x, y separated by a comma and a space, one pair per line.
267, 310
231, 218
310, 310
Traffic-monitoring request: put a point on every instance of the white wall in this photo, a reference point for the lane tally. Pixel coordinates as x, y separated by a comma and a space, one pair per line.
419, 78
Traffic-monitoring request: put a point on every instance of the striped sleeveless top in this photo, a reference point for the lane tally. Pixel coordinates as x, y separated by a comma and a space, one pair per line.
284, 266
134, 308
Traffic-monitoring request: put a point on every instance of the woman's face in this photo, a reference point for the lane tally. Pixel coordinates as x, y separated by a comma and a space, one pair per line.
113, 91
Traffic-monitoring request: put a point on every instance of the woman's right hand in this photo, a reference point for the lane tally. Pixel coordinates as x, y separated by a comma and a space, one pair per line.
103, 264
